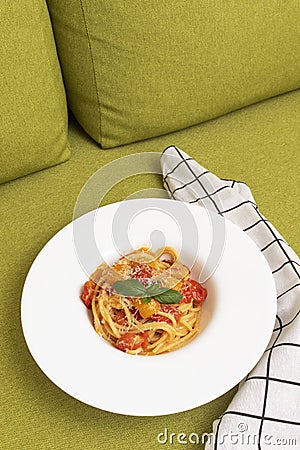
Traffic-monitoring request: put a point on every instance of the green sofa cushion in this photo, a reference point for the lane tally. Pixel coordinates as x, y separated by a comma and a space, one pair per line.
33, 112
134, 70
258, 145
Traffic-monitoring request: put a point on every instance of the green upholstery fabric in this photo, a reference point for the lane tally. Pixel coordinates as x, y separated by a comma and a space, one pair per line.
259, 145
134, 70
33, 111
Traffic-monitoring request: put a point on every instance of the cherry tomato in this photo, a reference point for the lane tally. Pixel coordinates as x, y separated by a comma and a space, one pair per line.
132, 341
175, 312
87, 293
146, 340
121, 318
192, 291
140, 271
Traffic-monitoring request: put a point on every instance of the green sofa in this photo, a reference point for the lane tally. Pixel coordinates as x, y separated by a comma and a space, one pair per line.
218, 79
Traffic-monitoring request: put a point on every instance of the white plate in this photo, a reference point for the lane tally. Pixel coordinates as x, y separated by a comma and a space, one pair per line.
237, 323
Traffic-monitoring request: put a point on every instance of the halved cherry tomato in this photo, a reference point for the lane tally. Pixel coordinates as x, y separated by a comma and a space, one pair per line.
141, 271
146, 340
120, 318
132, 341
192, 291
175, 312
87, 293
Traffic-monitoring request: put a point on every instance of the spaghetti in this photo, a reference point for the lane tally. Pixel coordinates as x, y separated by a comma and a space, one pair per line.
146, 303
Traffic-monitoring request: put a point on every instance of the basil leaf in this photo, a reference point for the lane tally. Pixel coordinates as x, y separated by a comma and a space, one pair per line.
155, 289
134, 288
170, 296
130, 288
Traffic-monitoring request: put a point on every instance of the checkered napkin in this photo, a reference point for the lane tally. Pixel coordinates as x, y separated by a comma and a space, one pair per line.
265, 412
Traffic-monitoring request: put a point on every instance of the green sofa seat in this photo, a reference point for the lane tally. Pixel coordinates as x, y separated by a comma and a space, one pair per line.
258, 144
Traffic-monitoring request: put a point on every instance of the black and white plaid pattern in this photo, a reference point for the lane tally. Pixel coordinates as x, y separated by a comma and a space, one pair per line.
265, 412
